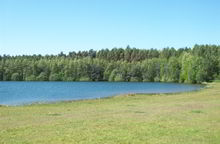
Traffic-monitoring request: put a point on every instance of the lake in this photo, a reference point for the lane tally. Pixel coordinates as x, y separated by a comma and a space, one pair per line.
18, 93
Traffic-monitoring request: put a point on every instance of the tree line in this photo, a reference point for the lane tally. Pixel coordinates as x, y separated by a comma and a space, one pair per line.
186, 65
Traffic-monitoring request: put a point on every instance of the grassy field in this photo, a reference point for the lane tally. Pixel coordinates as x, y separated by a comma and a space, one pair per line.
185, 118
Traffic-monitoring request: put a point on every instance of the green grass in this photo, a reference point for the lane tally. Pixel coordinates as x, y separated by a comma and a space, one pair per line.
184, 118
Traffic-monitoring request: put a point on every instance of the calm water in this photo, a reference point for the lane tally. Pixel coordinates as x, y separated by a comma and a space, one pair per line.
17, 93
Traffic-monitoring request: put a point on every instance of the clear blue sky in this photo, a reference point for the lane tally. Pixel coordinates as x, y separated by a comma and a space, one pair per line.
52, 26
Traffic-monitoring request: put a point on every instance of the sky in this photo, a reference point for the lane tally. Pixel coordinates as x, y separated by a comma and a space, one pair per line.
52, 26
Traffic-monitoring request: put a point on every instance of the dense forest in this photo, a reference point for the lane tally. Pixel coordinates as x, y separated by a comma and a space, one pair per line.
186, 65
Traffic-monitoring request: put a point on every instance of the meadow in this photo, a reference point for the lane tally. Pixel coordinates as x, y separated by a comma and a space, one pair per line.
181, 118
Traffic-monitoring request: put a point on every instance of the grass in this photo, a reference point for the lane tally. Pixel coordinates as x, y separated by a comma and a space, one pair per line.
184, 118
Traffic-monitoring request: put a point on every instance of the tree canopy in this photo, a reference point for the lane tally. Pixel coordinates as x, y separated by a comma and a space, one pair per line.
188, 65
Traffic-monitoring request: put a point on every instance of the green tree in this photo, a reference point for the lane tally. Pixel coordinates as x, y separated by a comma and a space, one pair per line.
135, 72
186, 68
116, 75
42, 77
55, 77
15, 77
151, 70
174, 69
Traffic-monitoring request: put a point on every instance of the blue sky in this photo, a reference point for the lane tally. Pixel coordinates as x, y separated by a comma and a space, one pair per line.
52, 26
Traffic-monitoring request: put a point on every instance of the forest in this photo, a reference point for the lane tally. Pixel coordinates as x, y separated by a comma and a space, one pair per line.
198, 64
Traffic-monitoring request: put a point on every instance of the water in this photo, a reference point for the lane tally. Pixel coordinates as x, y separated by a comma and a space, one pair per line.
18, 93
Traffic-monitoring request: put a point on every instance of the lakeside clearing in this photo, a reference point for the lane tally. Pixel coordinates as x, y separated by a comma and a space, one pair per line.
183, 118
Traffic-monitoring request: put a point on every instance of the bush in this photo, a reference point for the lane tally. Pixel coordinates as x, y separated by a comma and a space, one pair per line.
118, 78
55, 77
15, 77
84, 79
134, 79
30, 78
42, 77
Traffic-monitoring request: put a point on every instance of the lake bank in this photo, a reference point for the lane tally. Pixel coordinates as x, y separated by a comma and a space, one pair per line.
190, 117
